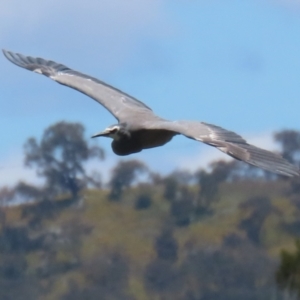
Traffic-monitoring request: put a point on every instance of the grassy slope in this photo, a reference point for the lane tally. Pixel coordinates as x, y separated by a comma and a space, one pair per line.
120, 226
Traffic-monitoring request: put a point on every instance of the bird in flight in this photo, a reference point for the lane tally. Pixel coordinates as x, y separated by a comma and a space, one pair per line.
138, 128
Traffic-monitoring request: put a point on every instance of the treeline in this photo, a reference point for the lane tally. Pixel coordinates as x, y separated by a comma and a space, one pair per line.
166, 237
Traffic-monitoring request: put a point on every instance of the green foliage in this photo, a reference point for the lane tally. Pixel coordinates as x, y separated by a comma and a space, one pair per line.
166, 246
123, 175
59, 157
289, 141
110, 248
143, 201
234, 270
261, 207
210, 235
162, 277
288, 273
171, 186
106, 275
290, 144
209, 183
181, 197
183, 209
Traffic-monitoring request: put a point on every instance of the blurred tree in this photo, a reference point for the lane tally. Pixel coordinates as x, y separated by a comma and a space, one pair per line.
242, 172
209, 183
171, 186
16, 282
60, 251
179, 191
13, 267
174, 182
60, 156
17, 240
166, 246
21, 193
25, 193
183, 209
161, 276
235, 270
143, 201
289, 141
6, 196
106, 277
144, 195
123, 175
261, 207
288, 272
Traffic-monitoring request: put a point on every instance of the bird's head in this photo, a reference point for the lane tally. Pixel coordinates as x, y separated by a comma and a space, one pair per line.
113, 131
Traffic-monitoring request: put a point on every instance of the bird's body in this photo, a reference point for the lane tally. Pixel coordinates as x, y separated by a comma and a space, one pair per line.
139, 128
139, 140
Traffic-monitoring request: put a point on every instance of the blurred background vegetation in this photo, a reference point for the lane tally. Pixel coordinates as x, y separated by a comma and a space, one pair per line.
227, 232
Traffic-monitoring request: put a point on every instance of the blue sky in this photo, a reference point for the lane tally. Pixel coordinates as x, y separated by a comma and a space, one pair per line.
232, 63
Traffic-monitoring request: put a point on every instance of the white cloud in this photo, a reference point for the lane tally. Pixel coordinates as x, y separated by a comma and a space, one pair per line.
289, 2
108, 28
12, 170
34, 12
292, 4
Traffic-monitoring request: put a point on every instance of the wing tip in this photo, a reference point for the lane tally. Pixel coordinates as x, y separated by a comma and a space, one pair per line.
37, 65
283, 168
292, 173
7, 53
15, 58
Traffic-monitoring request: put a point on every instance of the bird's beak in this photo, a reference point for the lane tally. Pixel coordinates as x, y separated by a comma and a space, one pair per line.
102, 133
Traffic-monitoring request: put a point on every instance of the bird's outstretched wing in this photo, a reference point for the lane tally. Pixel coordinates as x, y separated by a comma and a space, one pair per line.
118, 103
229, 143
123, 106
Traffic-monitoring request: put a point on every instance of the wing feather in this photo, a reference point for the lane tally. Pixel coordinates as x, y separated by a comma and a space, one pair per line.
120, 104
231, 144
125, 107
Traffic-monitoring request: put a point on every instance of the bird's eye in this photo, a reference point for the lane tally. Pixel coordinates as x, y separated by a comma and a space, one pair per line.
114, 130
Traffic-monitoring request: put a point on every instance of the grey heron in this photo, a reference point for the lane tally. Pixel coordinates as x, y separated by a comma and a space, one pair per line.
138, 128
